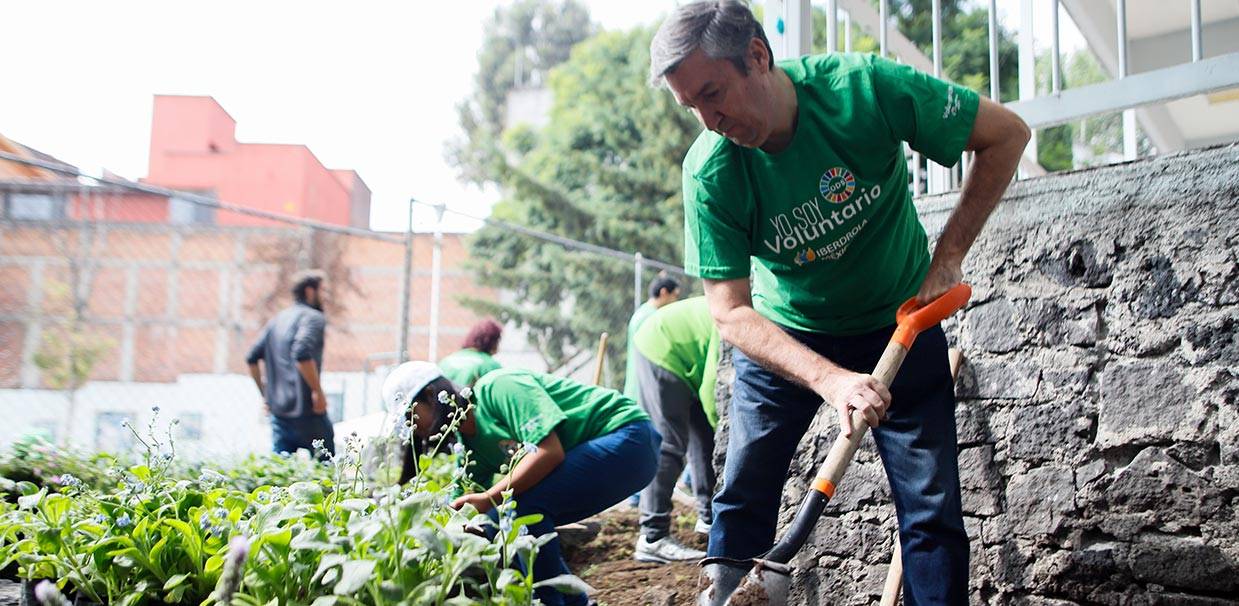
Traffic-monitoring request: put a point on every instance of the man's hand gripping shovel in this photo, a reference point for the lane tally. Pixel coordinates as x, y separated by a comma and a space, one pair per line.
769, 578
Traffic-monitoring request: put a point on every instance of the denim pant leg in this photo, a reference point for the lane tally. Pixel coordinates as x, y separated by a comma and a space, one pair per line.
289, 435
593, 476
918, 448
767, 417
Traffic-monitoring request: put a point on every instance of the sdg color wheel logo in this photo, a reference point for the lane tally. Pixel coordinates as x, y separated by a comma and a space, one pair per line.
837, 184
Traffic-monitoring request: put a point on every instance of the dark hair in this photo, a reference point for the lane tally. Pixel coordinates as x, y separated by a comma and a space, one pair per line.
723, 29
310, 278
484, 336
442, 417
657, 285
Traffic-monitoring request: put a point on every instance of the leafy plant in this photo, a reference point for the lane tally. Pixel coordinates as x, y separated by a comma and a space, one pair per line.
149, 534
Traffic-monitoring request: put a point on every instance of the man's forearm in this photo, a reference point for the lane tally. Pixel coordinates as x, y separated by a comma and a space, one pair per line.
309, 372
985, 183
256, 374
765, 343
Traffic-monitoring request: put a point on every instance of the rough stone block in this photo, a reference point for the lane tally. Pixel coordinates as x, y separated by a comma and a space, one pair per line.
1212, 339
994, 327
1145, 402
1183, 562
980, 481
1155, 490
1039, 501
999, 379
1049, 432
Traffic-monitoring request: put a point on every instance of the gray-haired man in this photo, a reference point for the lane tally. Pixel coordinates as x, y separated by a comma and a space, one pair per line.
799, 184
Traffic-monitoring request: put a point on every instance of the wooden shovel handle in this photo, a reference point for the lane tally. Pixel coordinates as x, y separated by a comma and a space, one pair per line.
602, 357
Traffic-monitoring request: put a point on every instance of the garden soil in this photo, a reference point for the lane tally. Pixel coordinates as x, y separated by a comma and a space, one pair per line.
606, 562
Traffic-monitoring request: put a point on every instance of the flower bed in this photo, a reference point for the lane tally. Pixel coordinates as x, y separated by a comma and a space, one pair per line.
151, 533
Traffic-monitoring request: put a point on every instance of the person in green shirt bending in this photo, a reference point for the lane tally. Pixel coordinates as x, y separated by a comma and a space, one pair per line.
799, 220
474, 359
585, 448
663, 290
677, 361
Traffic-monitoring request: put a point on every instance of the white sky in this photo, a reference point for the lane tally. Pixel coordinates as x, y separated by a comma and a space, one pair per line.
367, 85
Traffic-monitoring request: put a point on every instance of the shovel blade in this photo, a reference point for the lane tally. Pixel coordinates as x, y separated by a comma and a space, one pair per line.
765, 583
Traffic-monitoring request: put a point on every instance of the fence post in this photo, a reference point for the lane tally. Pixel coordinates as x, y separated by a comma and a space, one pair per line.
436, 276
636, 281
406, 284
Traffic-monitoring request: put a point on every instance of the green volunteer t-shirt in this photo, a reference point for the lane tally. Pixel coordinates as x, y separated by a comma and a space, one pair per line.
682, 338
827, 225
631, 388
466, 366
515, 406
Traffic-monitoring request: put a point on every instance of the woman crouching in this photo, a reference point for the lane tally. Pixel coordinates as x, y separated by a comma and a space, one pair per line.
588, 448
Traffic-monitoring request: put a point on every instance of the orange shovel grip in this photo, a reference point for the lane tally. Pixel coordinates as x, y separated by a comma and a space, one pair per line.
913, 318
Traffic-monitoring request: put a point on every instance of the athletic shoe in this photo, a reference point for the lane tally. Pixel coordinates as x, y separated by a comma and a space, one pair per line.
701, 527
665, 551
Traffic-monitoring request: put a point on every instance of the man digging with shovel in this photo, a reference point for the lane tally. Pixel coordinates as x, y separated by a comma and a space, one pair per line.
799, 183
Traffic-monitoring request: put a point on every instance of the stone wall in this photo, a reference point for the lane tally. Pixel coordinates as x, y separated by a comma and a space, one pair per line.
1098, 419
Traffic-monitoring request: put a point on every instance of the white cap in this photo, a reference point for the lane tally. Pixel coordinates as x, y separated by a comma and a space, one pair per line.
408, 380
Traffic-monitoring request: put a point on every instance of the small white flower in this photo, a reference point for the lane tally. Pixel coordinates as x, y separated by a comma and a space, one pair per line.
458, 448
124, 521
530, 448
444, 398
466, 393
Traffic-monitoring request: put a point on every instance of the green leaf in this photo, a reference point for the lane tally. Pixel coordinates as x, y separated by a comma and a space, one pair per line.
31, 501
307, 492
566, 583
175, 581
357, 505
142, 472
354, 575
214, 563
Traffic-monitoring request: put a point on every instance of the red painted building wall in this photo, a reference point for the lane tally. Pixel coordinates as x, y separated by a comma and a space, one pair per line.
193, 147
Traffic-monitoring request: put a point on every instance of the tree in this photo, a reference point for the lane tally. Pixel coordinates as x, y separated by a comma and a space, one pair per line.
606, 170
522, 42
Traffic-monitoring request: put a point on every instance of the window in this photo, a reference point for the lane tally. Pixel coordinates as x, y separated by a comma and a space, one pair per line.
34, 207
185, 212
111, 435
335, 405
190, 428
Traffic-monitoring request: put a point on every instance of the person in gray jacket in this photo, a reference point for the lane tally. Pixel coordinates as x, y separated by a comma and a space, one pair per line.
291, 345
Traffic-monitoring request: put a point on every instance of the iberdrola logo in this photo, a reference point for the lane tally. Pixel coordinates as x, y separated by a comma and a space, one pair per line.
806, 256
837, 184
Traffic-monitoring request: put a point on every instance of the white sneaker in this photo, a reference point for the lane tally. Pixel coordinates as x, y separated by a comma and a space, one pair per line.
701, 527
664, 551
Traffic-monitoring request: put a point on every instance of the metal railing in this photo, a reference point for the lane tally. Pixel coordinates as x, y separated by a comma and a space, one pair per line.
1124, 93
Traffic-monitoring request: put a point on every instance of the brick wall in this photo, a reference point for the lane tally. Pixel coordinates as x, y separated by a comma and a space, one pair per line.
165, 300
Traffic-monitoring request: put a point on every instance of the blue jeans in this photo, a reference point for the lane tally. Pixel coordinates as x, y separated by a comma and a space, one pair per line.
289, 434
768, 416
594, 476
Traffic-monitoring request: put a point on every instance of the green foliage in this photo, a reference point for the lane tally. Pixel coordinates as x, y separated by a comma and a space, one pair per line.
522, 42
151, 535
605, 170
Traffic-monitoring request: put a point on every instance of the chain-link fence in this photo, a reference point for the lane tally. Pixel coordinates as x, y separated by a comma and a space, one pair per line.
119, 297
556, 297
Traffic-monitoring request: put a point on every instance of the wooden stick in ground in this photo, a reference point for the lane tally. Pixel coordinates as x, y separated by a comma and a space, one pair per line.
602, 357
894, 574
